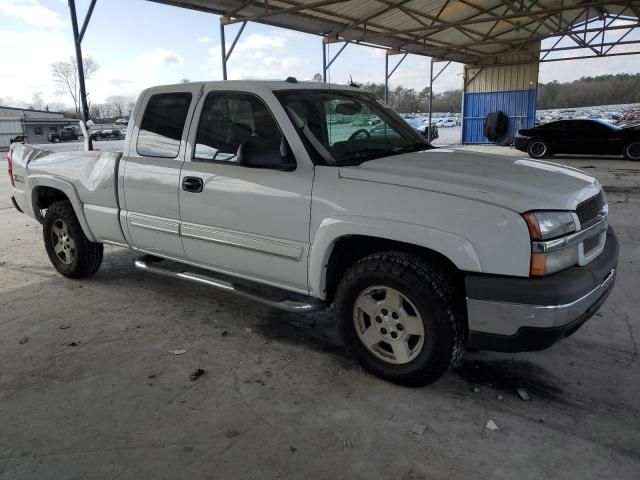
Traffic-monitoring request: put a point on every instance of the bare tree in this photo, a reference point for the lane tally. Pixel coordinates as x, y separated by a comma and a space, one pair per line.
37, 102
65, 75
117, 105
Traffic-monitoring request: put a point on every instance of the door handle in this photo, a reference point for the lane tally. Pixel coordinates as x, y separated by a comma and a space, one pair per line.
192, 184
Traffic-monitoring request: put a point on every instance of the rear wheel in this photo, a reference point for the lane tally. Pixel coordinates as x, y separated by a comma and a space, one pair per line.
632, 151
538, 148
401, 318
71, 253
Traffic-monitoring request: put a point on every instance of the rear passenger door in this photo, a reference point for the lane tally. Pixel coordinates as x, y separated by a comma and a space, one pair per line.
249, 222
151, 172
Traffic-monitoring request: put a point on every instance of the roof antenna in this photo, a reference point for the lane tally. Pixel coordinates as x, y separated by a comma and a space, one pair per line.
352, 83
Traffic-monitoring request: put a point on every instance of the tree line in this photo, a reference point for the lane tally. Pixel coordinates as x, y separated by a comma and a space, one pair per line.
410, 100
590, 91
584, 92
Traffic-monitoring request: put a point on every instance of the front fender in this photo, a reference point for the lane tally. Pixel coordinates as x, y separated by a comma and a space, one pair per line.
39, 180
456, 248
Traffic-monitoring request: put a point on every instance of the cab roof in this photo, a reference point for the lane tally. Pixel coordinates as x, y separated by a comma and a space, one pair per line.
273, 85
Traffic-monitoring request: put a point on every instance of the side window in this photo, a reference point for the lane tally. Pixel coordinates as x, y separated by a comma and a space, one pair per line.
162, 125
227, 120
594, 128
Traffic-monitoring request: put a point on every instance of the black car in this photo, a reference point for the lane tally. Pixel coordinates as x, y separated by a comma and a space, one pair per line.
64, 135
99, 135
18, 139
592, 137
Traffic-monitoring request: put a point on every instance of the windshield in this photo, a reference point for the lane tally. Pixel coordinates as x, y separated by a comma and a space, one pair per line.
343, 127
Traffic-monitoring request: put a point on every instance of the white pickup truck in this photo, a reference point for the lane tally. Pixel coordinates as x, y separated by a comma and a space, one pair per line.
276, 191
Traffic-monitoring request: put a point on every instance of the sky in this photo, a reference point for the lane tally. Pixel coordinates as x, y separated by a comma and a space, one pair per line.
139, 44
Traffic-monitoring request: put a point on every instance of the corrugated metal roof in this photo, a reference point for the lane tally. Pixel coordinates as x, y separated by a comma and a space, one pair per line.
468, 31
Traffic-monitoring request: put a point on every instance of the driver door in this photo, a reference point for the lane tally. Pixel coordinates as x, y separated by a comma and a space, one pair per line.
248, 222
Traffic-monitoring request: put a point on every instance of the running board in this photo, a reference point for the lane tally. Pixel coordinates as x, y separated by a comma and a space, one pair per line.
271, 296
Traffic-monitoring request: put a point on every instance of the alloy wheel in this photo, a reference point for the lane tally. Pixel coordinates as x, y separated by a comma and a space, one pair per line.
388, 324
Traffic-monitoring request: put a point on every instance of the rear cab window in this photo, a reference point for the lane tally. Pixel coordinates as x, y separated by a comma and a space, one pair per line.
163, 124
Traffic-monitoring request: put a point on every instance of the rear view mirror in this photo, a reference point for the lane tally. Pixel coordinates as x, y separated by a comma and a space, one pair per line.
348, 108
257, 152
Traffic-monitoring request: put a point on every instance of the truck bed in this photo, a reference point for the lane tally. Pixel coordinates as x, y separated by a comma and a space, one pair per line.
89, 176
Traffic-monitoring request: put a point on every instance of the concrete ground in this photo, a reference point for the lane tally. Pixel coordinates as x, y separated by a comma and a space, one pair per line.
89, 390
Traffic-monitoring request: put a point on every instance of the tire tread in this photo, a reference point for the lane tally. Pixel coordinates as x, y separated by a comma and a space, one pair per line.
399, 264
90, 253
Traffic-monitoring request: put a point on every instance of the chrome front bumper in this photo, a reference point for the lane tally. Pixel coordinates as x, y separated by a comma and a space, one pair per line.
502, 318
519, 314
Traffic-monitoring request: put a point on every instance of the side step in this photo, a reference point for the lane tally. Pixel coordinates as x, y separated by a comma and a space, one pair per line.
271, 296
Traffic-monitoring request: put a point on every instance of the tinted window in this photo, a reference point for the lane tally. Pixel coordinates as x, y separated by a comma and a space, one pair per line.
584, 127
229, 119
162, 125
556, 126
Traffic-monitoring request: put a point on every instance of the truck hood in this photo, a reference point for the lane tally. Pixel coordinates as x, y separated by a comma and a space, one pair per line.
517, 184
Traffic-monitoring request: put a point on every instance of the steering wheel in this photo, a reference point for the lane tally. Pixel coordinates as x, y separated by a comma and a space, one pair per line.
358, 132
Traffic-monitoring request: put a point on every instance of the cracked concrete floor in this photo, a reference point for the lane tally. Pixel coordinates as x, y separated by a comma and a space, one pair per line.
280, 397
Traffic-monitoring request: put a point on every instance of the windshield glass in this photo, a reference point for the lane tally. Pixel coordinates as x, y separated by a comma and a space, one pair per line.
343, 127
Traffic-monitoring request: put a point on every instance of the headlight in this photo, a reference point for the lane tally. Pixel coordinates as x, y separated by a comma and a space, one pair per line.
548, 225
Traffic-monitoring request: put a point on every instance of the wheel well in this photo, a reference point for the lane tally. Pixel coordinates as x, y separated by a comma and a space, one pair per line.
348, 250
43, 197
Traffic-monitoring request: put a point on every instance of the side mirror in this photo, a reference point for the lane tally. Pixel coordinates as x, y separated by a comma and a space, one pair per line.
256, 152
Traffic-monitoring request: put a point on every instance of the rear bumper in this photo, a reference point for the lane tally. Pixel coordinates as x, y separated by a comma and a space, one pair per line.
521, 143
15, 204
512, 314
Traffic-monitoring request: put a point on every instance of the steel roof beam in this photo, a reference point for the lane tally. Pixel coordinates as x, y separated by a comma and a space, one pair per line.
271, 12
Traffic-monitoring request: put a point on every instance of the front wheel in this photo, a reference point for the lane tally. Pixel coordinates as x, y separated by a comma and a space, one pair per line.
401, 318
632, 151
71, 253
538, 148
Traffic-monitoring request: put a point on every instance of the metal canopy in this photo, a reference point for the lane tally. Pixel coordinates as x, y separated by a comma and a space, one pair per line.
466, 31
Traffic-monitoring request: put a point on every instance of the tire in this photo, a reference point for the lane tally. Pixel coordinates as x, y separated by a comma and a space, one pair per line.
71, 253
538, 148
56, 140
632, 150
428, 298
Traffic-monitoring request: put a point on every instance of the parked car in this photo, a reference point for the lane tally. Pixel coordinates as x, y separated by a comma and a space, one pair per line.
423, 251
18, 139
448, 122
63, 135
110, 134
580, 137
422, 127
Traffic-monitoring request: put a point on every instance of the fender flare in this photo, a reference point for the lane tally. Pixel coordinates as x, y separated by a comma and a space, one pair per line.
456, 248
66, 187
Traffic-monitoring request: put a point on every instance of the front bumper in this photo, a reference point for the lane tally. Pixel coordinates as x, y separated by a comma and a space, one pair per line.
513, 314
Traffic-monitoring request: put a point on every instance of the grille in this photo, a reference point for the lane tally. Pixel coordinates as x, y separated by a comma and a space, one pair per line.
590, 243
588, 210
